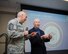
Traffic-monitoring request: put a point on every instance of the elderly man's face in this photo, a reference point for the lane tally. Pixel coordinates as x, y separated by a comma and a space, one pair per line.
36, 23
23, 17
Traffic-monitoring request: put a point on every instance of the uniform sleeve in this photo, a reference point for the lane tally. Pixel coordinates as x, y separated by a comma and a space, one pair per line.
13, 32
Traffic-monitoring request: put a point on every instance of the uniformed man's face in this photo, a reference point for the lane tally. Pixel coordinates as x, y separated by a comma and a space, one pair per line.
36, 23
23, 18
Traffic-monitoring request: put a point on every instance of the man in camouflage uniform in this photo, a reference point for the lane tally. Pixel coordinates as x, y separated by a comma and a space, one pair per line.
16, 34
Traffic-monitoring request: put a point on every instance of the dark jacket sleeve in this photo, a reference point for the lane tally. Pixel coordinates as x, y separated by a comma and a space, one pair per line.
44, 40
35, 39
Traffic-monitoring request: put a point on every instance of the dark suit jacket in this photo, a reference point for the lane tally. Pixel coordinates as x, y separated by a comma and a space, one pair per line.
37, 44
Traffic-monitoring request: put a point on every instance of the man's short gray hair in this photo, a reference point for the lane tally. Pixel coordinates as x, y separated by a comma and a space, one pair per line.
36, 19
20, 13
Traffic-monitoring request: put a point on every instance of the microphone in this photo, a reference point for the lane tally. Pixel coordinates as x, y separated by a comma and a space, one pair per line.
27, 36
26, 29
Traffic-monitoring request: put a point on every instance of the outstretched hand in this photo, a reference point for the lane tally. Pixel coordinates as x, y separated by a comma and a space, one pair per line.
47, 36
33, 34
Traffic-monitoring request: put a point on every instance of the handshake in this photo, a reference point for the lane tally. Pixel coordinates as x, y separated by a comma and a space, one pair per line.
47, 36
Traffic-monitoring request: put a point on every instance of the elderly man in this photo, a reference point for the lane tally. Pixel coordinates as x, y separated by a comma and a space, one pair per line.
16, 33
38, 38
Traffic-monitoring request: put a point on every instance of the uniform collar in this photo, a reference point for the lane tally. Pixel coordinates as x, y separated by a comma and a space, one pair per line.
19, 22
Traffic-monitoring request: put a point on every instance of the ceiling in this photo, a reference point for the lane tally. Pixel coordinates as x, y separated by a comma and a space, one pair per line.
55, 4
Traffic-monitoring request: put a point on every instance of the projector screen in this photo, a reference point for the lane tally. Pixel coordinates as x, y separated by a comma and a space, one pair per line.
55, 24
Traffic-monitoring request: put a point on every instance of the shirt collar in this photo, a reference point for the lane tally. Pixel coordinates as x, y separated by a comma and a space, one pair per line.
19, 22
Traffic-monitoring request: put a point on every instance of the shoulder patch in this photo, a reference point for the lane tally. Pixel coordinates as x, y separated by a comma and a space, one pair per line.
11, 26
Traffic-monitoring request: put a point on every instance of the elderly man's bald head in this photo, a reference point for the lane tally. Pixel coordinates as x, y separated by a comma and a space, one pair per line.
21, 16
36, 23
36, 20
